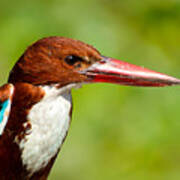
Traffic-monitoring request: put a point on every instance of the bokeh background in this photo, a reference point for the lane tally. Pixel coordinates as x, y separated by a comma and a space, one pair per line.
117, 132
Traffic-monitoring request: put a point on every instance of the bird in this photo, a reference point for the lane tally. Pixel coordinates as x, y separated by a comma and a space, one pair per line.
36, 101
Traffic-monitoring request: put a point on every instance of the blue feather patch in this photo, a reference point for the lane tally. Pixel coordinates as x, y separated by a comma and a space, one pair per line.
3, 106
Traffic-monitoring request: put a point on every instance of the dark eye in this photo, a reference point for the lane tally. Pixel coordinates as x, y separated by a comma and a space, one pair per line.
72, 60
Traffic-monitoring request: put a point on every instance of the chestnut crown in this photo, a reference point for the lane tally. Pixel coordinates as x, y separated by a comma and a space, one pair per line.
54, 60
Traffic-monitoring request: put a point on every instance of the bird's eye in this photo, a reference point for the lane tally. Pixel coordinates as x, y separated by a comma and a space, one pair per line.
73, 60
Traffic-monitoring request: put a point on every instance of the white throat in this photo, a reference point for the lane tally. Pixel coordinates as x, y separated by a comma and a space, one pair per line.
50, 119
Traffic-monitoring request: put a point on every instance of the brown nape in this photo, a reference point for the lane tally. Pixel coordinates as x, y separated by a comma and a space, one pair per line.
25, 96
44, 62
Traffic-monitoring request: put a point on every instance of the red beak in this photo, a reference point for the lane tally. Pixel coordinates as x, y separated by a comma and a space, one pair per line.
119, 72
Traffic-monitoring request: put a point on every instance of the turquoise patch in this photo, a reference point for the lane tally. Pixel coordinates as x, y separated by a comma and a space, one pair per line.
3, 106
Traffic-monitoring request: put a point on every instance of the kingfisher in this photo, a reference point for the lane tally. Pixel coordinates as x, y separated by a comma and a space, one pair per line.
36, 102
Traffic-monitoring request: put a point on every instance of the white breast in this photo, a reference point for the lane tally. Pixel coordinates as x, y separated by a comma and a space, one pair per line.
50, 121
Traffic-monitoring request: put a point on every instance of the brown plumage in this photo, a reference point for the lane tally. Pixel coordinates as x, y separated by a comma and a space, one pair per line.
48, 55
41, 64
57, 62
25, 96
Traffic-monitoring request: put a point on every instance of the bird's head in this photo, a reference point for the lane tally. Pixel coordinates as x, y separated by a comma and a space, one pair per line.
58, 60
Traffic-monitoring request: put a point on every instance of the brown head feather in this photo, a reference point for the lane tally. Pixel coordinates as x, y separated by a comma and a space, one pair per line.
44, 62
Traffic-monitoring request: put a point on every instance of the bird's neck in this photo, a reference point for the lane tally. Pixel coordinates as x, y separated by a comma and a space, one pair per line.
44, 128
50, 120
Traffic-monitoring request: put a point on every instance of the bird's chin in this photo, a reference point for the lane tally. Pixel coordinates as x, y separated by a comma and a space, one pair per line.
118, 72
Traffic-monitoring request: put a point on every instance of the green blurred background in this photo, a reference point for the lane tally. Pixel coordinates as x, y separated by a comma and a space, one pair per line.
117, 132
